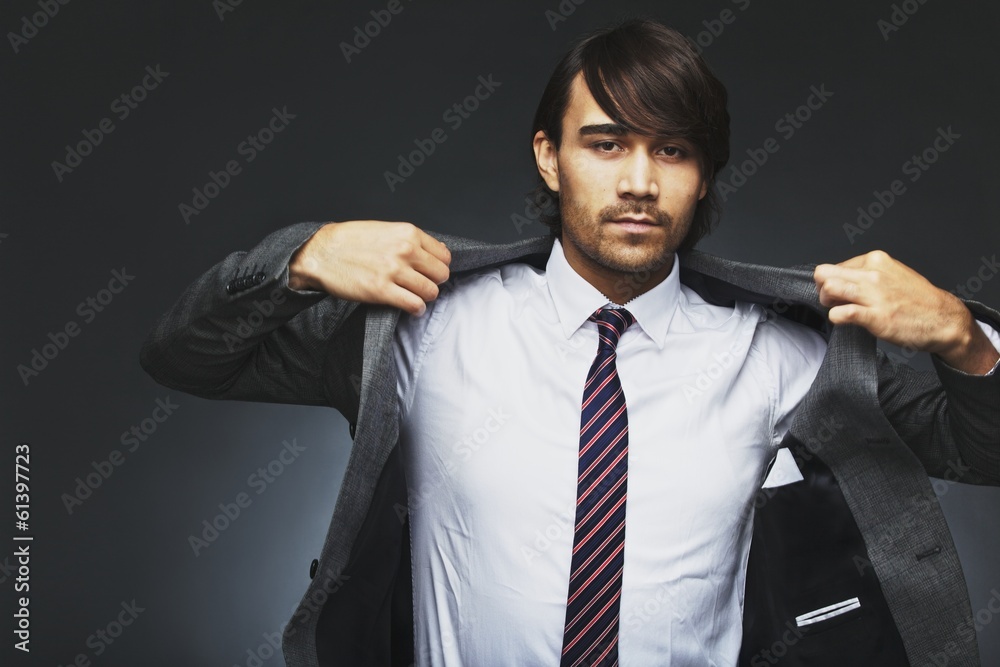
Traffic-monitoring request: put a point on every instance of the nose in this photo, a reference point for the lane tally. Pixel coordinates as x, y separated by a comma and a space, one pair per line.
637, 178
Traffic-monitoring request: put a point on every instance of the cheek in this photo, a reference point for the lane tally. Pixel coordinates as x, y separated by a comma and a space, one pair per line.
584, 170
585, 184
682, 185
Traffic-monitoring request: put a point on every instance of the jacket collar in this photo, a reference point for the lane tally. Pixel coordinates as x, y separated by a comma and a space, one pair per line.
723, 279
847, 375
788, 291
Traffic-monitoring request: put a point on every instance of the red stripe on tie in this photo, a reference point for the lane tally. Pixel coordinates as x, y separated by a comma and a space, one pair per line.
590, 628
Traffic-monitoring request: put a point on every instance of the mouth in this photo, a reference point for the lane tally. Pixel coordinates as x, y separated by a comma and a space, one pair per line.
640, 224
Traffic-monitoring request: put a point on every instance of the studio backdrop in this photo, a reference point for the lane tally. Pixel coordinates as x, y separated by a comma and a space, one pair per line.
145, 141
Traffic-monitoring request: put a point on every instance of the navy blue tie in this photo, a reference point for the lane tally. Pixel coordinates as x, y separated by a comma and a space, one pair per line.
590, 635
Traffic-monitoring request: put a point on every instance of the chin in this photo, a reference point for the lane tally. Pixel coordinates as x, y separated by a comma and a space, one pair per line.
631, 258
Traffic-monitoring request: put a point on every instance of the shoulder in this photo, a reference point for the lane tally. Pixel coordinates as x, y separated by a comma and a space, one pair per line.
698, 313
513, 279
777, 335
789, 353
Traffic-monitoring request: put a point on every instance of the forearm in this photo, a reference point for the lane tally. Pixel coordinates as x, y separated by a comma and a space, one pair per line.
239, 331
973, 395
949, 418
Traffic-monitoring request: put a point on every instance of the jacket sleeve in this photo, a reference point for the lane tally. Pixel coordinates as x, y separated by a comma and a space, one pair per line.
950, 419
240, 332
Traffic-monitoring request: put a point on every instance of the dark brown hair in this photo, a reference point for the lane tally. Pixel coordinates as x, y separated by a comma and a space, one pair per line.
648, 78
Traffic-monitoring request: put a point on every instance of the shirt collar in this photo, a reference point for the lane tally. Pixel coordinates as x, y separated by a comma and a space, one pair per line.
576, 300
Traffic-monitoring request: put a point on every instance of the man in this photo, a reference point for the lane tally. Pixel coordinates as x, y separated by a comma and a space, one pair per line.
489, 516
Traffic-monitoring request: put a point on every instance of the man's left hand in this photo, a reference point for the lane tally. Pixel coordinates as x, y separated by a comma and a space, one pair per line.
900, 306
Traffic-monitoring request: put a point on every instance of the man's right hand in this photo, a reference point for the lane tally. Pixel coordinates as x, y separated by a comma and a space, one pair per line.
372, 261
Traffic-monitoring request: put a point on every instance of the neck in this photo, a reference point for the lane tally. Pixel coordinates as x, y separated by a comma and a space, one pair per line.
618, 286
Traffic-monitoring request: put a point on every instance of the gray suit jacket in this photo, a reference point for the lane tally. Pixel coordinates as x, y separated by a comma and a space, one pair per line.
863, 523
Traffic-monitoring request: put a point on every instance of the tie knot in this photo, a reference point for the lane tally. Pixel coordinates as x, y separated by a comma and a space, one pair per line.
611, 324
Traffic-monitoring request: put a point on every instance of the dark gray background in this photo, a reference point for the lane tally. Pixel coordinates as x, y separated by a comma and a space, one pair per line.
119, 208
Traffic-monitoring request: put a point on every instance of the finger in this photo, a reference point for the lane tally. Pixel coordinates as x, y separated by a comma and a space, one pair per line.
835, 291
850, 313
856, 262
824, 272
435, 247
431, 265
401, 297
418, 284
869, 260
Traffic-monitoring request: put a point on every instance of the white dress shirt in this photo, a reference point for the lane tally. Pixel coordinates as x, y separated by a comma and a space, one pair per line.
490, 382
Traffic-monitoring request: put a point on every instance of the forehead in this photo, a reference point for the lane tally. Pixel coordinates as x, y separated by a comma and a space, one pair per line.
582, 108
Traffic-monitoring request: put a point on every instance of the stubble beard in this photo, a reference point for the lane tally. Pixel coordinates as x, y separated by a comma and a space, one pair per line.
633, 253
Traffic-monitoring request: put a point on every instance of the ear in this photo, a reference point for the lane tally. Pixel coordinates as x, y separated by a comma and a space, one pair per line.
547, 160
704, 189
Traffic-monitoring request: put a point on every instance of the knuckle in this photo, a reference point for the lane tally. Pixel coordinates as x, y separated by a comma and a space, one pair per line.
382, 285
405, 248
878, 256
394, 267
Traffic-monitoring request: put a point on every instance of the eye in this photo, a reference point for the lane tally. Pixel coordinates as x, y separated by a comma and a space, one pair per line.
604, 146
674, 151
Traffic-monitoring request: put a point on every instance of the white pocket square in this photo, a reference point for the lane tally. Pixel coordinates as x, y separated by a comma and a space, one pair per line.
827, 612
784, 471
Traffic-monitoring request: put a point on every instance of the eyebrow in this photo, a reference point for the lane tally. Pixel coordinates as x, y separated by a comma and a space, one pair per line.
604, 128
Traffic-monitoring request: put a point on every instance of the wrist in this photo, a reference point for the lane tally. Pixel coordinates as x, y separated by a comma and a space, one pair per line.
302, 265
967, 348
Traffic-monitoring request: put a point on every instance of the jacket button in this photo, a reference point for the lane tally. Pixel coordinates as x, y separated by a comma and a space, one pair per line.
231, 287
258, 278
313, 566
352, 427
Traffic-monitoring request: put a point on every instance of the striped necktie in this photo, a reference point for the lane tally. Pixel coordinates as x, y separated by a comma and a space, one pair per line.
590, 635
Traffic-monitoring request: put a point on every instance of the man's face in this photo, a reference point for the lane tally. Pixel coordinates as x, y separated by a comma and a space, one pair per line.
603, 175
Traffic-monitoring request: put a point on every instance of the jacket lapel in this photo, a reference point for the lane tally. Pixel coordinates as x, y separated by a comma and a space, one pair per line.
872, 467
845, 389
378, 418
